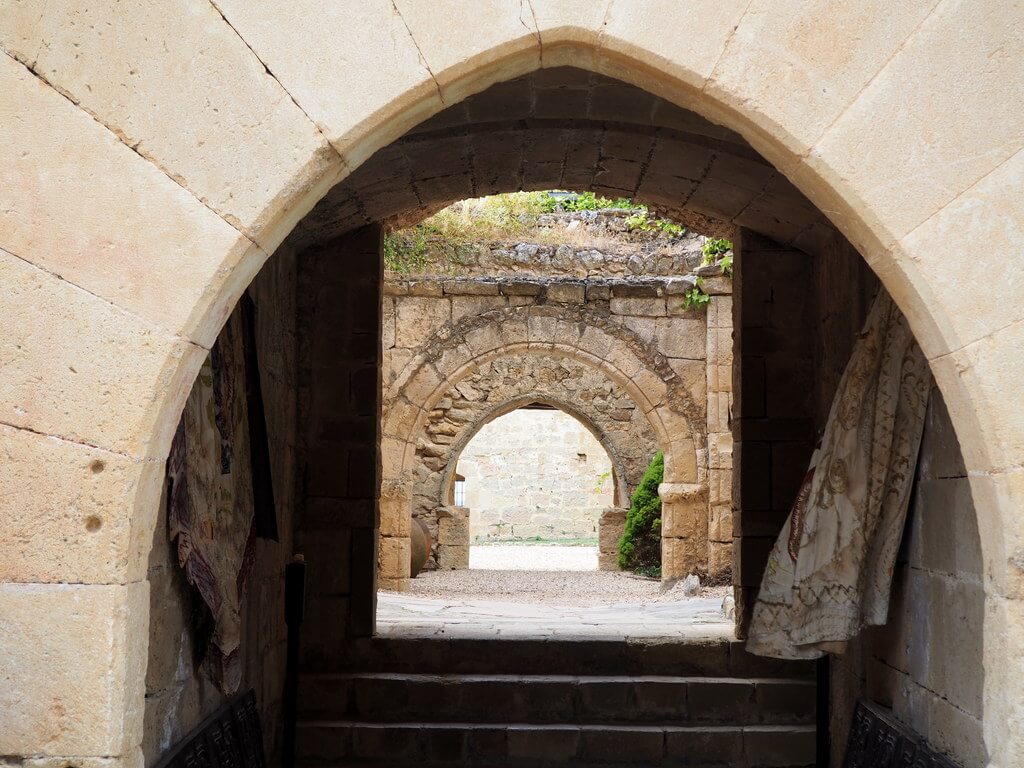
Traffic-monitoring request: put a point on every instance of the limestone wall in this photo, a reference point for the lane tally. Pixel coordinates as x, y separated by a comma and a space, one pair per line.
339, 461
535, 474
926, 663
139, 227
776, 400
719, 434
179, 693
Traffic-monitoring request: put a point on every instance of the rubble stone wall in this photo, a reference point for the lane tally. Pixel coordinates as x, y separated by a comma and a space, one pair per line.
577, 244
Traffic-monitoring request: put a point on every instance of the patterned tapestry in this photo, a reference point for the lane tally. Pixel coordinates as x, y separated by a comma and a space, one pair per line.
210, 503
830, 572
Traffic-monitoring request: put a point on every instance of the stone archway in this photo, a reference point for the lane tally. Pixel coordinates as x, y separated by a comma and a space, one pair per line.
623, 450
662, 404
456, 525
607, 412
103, 357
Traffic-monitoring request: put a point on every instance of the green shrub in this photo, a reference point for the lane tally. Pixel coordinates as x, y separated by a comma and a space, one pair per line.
640, 546
587, 201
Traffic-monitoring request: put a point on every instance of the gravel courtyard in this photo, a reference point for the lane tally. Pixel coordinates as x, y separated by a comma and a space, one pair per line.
490, 602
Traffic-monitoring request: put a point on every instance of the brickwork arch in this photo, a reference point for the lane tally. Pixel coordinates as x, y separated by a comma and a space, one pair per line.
126, 241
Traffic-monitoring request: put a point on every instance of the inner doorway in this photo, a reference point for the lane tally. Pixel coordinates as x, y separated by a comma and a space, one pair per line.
535, 483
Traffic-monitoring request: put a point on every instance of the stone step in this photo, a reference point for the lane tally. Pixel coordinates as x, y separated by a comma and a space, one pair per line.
593, 699
337, 743
563, 657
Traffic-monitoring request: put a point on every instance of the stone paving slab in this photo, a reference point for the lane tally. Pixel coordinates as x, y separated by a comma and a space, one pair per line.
404, 615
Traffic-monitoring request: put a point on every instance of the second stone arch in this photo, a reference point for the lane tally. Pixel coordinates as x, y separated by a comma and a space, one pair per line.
624, 359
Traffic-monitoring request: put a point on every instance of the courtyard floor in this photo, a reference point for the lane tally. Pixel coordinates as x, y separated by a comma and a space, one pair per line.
560, 601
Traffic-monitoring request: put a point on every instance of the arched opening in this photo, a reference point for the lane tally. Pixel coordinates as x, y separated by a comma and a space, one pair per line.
535, 477
898, 232
338, 254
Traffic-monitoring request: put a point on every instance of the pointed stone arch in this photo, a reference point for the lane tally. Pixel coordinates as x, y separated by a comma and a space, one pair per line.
111, 299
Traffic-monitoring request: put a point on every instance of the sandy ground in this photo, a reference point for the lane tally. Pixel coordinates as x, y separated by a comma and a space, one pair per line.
575, 588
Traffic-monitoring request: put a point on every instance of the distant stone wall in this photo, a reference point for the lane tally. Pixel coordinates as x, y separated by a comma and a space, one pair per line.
623, 355
535, 474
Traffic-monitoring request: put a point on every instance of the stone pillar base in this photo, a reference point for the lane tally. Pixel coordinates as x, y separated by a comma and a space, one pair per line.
452, 538
395, 546
393, 585
684, 530
610, 528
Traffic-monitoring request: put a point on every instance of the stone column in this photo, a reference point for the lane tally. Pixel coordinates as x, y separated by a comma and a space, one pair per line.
774, 401
684, 529
393, 557
610, 528
719, 382
452, 538
339, 304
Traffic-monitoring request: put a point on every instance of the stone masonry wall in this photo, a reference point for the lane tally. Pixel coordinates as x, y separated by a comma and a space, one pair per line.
775, 401
339, 422
535, 474
579, 244
798, 318
926, 662
178, 692
719, 426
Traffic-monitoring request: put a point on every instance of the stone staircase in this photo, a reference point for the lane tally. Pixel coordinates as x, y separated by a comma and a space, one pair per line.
443, 702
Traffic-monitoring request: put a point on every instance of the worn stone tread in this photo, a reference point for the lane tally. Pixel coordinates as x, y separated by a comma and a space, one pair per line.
515, 744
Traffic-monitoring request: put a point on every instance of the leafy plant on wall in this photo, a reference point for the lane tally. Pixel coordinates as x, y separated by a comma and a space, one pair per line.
695, 298
640, 545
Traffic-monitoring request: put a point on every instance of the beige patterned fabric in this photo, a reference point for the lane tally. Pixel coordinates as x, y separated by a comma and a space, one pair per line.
830, 571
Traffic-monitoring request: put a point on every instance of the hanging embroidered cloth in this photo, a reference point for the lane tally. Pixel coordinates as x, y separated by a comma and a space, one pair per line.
830, 571
210, 503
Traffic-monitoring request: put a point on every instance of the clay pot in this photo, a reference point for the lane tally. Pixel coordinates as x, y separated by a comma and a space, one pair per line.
419, 550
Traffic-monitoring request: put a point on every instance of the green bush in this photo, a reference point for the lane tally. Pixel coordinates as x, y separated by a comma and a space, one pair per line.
695, 298
587, 201
640, 546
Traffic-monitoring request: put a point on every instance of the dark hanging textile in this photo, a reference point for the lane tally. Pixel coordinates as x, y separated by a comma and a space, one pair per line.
264, 509
210, 503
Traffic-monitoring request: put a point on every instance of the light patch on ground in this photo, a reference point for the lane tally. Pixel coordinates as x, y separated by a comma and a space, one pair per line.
532, 557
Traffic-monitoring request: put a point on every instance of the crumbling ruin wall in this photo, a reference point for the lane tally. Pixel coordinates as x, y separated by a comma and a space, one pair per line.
609, 243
